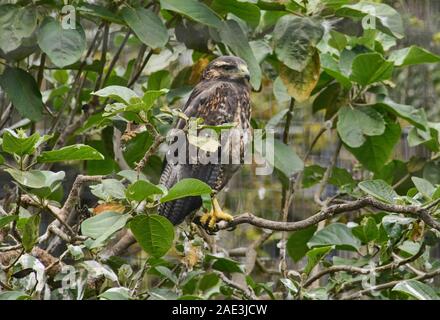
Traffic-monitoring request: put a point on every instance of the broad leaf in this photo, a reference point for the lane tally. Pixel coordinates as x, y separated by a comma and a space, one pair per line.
23, 92
37, 179
109, 189
388, 19
14, 295
354, 124
336, 234
424, 187
281, 156
188, 187
141, 190
151, 96
63, 46
102, 226
314, 256
376, 150
146, 25
244, 10
301, 84
379, 189
227, 265
119, 293
118, 93
369, 68
332, 67
416, 117
16, 23
154, 233
297, 243
30, 232
417, 290
71, 153
5, 220
194, 9
14, 143
295, 40
330, 99
413, 55
99, 11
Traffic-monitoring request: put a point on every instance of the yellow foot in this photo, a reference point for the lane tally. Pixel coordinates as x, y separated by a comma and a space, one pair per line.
210, 219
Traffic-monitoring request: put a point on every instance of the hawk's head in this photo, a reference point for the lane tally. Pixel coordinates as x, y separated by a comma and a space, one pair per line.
226, 68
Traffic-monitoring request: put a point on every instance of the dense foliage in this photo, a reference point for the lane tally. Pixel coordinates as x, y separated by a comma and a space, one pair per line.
90, 90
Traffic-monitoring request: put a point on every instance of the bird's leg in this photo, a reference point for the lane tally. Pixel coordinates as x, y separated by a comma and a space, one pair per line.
210, 219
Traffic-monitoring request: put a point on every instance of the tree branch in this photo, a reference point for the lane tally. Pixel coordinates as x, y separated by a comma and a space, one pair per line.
329, 212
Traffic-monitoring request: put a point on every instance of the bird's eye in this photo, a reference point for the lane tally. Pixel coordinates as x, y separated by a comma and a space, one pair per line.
228, 67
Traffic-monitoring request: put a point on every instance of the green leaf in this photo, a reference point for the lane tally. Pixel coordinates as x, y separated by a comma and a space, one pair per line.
281, 156
194, 9
394, 225
379, 189
71, 153
30, 232
119, 293
297, 243
23, 92
37, 179
132, 175
13, 143
5, 220
226, 265
146, 25
151, 96
367, 231
141, 190
63, 46
330, 99
335, 234
413, 55
424, 187
314, 256
300, 85
388, 19
188, 187
341, 177
100, 12
376, 150
368, 68
208, 281
354, 124
295, 40
109, 189
118, 93
282, 96
332, 67
16, 23
234, 37
154, 233
14, 295
416, 117
167, 273
244, 10
417, 290
102, 226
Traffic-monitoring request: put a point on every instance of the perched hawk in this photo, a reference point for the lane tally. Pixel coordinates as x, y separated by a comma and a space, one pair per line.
221, 96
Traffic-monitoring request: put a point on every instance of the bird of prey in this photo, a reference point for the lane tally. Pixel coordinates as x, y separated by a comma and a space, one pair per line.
221, 96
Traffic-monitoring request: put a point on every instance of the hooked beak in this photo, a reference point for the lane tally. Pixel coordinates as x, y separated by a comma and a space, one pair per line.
244, 72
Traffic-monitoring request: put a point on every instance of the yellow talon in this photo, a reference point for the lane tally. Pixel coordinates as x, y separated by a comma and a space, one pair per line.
211, 218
